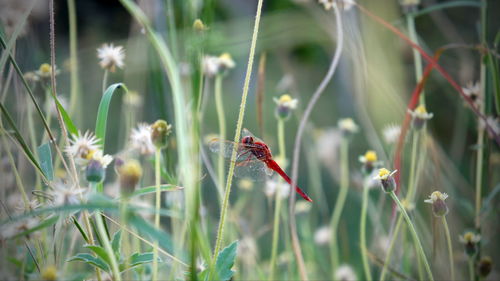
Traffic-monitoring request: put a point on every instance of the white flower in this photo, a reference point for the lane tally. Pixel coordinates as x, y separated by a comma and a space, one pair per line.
104, 160
226, 61
421, 113
111, 57
132, 99
345, 4
82, 147
286, 101
302, 207
210, 65
384, 174
345, 273
62, 195
473, 91
347, 126
435, 196
275, 184
469, 237
391, 133
14, 228
322, 235
140, 139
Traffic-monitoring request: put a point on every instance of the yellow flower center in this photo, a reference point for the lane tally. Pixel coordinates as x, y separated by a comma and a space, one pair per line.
89, 155
131, 168
49, 273
285, 98
421, 109
225, 56
437, 195
383, 173
371, 156
45, 68
198, 25
469, 236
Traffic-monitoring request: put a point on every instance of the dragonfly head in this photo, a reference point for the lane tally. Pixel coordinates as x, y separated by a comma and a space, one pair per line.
247, 140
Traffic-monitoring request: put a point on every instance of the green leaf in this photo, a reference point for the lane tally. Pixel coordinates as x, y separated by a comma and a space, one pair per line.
102, 112
152, 189
140, 258
45, 155
225, 261
45, 223
88, 258
80, 229
72, 129
116, 244
100, 252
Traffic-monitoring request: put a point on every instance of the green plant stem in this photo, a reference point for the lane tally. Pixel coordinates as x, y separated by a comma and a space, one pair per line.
107, 246
413, 172
339, 204
237, 134
278, 199
471, 268
391, 248
412, 33
414, 234
73, 43
157, 213
105, 81
362, 234
450, 249
219, 106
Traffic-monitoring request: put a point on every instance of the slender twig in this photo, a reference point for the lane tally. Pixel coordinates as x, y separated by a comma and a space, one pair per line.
450, 248
362, 232
298, 139
157, 213
239, 125
219, 107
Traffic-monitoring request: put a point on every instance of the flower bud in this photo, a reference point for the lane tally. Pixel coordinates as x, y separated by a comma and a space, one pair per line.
49, 273
159, 133
285, 105
484, 267
439, 207
470, 241
199, 26
387, 181
130, 172
369, 161
95, 172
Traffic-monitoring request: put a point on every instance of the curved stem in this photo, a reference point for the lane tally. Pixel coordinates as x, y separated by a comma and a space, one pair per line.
237, 135
298, 140
450, 249
104, 81
157, 213
410, 22
414, 234
362, 238
339, 204
219, 106
391, 247
277, 208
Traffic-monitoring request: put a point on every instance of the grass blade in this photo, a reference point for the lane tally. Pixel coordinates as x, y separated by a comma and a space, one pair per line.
102, 113
45, 155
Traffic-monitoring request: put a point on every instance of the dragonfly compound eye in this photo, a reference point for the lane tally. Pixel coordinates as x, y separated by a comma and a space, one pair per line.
247, 140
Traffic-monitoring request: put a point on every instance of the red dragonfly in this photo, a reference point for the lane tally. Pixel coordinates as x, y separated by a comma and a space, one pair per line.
253, 158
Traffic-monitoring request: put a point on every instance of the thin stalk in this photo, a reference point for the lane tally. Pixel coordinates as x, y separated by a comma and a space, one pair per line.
417, 58
450, 249
124, 236
298, 140
391, 247
339, 204
471, 269
413, 173
278, 199
362, 234
157, 213
239, 125
219, 106
19, 182
413, 232
104, 80
73, 57
107, 246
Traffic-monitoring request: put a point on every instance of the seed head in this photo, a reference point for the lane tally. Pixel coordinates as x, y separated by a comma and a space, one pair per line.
439, 207
140, 139
111, 57
391, 133
484, 267
159, 133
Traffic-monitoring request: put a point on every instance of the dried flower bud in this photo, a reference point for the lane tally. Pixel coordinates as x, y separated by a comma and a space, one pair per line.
420, 117
159, 133
484, 267
130, 172
470, 241
439, 207
386, 179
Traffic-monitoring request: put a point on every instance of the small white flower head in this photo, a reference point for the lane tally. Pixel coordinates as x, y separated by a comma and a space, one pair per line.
439, 207
386, 179
347, 127
226, 62
470, 241
323, 235
210, 66
18, 227
285, 105
96, 168
82, 147
473, 91
62, 194
274, 185
344, 4
45, 71
391, 133
302, 207
133, 99
345, 273
369, 161
140, 139
420, 116
111, 57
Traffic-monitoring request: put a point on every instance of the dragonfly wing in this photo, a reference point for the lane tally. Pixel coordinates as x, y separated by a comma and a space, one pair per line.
269, 171
225, 148
246, 133
253, 169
